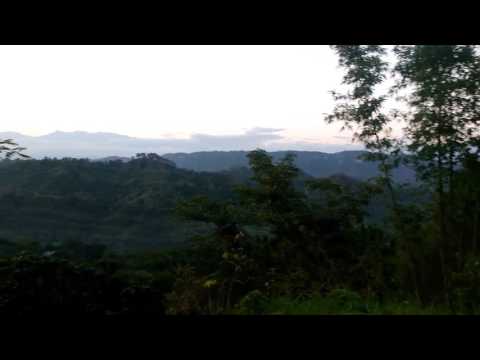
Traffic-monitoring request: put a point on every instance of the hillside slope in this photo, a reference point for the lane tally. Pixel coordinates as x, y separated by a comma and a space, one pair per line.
314, 163
116, 203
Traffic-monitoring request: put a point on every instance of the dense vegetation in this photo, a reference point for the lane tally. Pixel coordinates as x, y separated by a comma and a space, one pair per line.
273, 240
123, 205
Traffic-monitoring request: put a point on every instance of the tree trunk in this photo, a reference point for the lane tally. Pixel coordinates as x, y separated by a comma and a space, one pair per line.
450, 218
475, 226
441, 220
396, 210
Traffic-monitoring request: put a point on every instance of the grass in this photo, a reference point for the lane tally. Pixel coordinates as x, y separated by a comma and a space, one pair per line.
329, 306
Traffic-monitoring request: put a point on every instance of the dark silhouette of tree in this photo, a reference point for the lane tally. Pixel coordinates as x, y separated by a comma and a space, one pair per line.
11, 149
442, 126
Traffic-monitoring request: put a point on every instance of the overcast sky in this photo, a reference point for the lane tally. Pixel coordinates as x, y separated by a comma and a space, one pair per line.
171, 91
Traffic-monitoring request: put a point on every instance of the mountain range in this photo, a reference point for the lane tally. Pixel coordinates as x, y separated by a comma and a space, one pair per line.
81, 144
110, 146
314, 163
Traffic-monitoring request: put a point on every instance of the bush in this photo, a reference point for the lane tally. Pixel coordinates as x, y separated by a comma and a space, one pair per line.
253, 303
188, 294
347, 300
467, 286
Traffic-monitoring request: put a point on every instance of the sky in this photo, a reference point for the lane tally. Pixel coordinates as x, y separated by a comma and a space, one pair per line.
173, 92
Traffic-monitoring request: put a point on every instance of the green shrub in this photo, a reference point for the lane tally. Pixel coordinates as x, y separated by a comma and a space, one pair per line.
467, 286
347, 300
253, 303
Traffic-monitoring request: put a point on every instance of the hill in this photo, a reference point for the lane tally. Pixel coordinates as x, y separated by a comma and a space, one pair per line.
122, 204
314, 163
111, 147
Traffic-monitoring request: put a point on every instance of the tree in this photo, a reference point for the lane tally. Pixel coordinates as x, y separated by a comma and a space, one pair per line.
274, 199
11, 149
292, 242
362, 110
442, 126
271, 203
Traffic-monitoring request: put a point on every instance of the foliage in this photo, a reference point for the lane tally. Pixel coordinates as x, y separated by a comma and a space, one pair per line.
11, 149
187, 293
326, 306
122, 205
253, 303
467, 286
43, 285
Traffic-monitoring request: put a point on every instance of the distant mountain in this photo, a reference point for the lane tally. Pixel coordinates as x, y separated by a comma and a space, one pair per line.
314, 163
112, 147
81, 144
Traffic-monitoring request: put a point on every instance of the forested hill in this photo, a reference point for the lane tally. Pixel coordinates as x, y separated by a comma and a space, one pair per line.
314, 163
121, 204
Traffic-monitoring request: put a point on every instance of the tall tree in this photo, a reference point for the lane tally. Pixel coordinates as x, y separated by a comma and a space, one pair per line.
443, 83
362, 110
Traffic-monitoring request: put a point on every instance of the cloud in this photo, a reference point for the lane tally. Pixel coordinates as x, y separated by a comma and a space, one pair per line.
251, 139
348, 138
312, 146
262, 130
